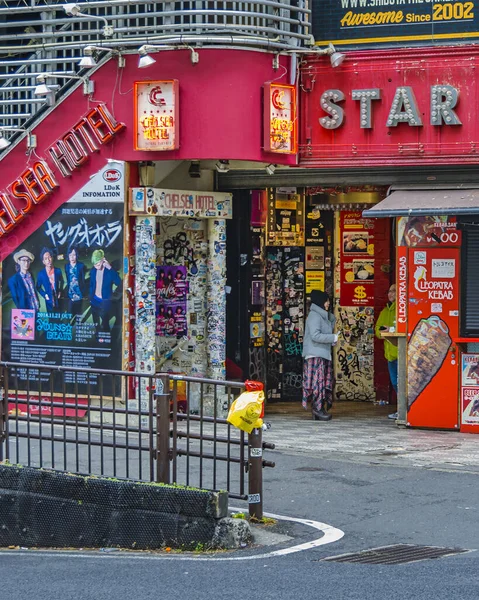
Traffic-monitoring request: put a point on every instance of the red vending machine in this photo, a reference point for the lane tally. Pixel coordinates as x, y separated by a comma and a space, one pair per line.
433, 325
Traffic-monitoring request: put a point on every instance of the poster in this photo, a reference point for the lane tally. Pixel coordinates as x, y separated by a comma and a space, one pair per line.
62, 287
285, 220
373, 23
315, 257
314, 281
470, 370
425, 231
357, 259
470, 406
171, 301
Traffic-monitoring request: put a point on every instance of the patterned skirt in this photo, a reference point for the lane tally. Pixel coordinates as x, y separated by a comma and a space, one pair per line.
317, 382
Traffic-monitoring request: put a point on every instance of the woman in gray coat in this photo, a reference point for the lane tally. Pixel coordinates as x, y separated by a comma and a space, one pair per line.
319, 338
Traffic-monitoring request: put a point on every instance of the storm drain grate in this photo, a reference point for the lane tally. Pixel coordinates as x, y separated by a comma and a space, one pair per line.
395, 555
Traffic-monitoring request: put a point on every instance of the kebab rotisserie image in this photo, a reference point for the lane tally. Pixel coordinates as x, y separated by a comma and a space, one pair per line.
427, 350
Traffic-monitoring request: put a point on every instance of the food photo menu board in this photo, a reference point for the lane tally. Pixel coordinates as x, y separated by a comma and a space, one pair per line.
357, 259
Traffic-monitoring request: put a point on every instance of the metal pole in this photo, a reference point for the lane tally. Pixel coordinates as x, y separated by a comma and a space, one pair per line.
402, 382
163, 429
3, 400
255, 474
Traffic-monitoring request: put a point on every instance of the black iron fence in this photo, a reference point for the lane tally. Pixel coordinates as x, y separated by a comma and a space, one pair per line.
162, 427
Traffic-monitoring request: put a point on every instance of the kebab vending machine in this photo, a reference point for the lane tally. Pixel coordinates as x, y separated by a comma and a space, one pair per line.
433, 361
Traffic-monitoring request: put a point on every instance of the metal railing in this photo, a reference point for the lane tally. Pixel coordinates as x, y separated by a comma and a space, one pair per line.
40, 36
162, 427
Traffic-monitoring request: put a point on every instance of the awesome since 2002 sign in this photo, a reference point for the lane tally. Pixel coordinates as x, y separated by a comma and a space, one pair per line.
357, 23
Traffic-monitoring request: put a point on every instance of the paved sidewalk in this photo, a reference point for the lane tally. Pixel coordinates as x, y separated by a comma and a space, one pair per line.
366, 435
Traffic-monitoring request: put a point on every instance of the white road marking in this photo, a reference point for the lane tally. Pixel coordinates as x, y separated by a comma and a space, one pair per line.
330, 534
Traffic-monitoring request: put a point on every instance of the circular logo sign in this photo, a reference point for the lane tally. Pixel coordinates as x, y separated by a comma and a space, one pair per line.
112, 175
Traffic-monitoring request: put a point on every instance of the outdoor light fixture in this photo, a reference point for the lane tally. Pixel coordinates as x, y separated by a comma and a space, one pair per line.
31, 139
42, 88
270, 169
146, 60
88, 60
223, 166
335, 57
194, 170
74, 10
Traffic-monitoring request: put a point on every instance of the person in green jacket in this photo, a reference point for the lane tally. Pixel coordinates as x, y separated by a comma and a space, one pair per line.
386, 320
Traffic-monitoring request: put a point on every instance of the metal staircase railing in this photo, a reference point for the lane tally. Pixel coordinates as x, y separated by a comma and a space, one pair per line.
38, 36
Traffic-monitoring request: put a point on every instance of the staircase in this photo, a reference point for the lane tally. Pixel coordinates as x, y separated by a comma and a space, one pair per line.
47, 36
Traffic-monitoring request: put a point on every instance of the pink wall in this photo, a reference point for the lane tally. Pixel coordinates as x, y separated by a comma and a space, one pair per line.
220, 118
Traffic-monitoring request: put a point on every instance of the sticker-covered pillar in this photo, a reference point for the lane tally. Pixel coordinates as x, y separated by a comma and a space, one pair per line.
145, 299
216, 298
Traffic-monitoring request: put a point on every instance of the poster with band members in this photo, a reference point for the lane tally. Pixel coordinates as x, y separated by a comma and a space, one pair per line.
62, 288
171, 301
360, 23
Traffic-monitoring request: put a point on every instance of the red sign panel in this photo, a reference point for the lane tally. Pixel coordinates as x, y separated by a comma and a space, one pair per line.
401, 289
357, 259
384, 108
433, 322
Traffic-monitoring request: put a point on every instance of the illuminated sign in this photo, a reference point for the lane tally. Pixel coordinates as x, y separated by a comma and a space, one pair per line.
156, 115
372, 22
404, 107
180, 203
66, 155
280, 125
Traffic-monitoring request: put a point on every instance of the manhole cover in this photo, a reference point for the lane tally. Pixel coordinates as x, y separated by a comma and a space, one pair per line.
309, 469
395, 555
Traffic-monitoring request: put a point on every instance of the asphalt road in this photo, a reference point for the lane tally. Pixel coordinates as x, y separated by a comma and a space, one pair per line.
375, 505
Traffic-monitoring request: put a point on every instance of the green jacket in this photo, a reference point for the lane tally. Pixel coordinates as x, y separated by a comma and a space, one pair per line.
387, 318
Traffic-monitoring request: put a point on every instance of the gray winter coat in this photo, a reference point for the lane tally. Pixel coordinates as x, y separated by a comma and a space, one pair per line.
318, 335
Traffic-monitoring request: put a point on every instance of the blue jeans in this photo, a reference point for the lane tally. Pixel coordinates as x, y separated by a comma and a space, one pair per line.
393, 373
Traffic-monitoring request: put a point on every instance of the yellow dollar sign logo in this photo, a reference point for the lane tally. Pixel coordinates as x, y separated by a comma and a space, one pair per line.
360, 292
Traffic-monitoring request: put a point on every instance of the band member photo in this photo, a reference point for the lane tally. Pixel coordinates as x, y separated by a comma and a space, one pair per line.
76, 282
50, 281
103, 280
22, 285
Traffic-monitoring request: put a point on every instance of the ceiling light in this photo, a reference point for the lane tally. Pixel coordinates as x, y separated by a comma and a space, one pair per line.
223, 166
270, 169
4, 143
194, 170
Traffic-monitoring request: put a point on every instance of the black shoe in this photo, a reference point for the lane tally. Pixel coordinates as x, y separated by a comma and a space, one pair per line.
322, 415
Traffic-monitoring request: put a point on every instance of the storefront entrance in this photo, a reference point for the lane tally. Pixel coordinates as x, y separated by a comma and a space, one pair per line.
305, 239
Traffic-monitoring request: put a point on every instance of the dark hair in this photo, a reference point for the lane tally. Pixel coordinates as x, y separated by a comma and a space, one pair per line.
44, 251
319, 298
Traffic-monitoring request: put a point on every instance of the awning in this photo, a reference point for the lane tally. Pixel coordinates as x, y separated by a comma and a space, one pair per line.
427, 201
